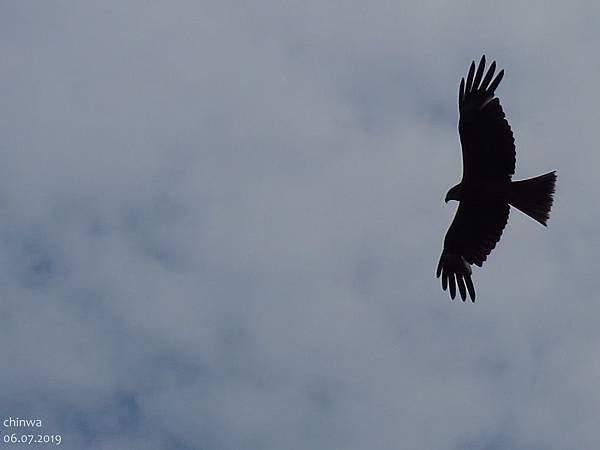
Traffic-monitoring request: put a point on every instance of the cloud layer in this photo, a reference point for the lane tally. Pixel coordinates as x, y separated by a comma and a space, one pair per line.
220, 224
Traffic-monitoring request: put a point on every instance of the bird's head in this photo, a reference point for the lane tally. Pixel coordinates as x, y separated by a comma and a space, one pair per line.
455, 193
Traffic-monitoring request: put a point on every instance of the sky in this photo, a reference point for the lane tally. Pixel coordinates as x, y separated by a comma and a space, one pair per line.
220, 223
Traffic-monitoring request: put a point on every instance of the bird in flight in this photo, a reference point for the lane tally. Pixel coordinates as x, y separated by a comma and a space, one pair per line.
486, 190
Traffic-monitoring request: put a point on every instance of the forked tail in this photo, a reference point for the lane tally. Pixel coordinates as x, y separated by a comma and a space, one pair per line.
534, 196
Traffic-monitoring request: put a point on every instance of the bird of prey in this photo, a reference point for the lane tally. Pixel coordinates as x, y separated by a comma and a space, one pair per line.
486, 190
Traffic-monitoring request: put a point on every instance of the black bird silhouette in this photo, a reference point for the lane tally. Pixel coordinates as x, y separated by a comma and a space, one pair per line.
486, 189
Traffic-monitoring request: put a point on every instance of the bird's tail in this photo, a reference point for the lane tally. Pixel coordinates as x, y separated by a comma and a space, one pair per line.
534, 196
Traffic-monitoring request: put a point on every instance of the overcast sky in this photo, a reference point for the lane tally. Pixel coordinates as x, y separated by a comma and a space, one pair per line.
220, 222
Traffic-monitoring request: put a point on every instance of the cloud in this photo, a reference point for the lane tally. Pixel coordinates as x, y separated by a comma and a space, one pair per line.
221, 223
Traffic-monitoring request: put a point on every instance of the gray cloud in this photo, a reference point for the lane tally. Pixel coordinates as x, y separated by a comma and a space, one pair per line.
220, 224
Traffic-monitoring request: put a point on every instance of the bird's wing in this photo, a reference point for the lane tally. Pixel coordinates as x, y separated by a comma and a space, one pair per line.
488, 145
473, 234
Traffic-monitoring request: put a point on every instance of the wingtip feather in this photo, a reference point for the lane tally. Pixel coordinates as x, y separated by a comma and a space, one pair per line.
488, 76
452, 286
496, 81
470, 287
479, 73
470, 77
461, 91
461, 287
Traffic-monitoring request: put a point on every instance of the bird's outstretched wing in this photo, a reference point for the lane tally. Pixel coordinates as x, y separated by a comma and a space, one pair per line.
488, 146
473, 234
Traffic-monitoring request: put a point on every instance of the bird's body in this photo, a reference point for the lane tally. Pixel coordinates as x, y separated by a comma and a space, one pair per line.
486, 189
